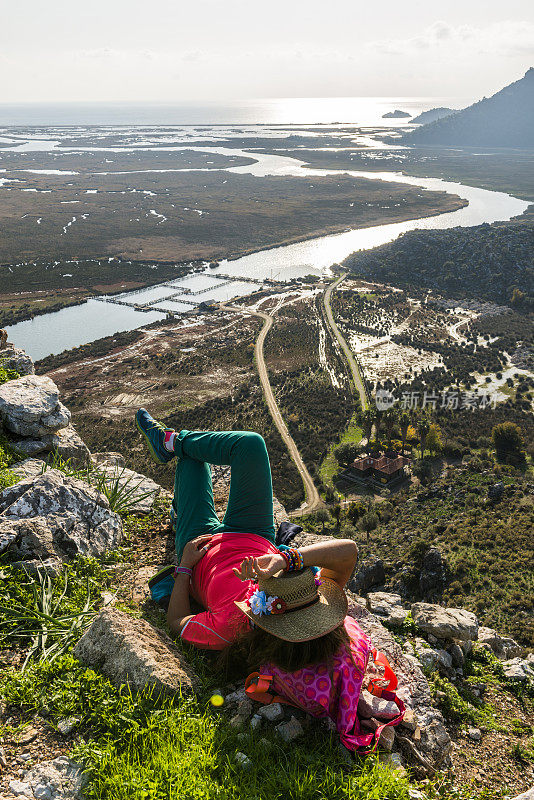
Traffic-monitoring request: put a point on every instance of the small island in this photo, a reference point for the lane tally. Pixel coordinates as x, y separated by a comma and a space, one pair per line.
397, 114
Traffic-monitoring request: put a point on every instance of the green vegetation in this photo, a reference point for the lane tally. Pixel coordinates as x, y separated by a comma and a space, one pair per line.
488, 262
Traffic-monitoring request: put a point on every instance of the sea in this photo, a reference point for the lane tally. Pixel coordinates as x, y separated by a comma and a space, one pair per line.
365, 111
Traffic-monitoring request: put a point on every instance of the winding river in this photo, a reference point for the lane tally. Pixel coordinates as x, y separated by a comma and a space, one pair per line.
71, 327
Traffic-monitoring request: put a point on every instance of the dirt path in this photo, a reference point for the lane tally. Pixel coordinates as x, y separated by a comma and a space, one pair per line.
313, 498
353, 366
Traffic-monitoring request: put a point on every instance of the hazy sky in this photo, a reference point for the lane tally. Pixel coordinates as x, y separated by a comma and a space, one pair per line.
174, 51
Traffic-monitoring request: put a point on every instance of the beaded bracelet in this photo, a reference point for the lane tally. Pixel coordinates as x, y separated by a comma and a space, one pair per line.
183, 571
294, 560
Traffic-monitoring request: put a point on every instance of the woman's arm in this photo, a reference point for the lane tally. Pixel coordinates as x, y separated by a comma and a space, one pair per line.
179, 611
337, 559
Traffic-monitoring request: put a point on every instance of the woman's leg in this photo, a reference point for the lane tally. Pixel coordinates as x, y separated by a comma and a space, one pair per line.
250, 505
193, 511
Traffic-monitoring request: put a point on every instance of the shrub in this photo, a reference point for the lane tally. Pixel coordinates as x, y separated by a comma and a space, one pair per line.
508, 442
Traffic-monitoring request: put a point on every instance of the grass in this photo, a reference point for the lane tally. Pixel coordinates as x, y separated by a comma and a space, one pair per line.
351, 435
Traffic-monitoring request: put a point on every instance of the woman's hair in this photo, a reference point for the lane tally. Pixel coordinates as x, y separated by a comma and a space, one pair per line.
257, 647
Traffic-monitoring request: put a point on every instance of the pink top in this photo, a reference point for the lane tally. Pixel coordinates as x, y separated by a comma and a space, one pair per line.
215, 587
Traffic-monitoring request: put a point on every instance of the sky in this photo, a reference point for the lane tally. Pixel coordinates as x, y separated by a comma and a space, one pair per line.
171, 51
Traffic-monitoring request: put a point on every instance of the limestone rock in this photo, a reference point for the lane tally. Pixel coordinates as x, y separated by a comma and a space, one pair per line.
29, 468
14, 358
388, 607
272, 713
445, 623
503, 646
413, 689
369, 572
371, 706
139, 489
528, 795
108, 459
60, 779
519, 669
59, 516
70, 447
28, 447
129, 650
289, 731
30, 406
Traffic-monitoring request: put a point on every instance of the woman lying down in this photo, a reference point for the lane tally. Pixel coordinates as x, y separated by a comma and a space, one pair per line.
287, 607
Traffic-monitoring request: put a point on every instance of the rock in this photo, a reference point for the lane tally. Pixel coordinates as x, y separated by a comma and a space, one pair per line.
388, 607
14, 358
243, 760
8, 534
528, 795
434, 744
387, 739
3, 761
19, 788
445, 623
236, 697
496, 491
60, 779
272, 712
519, 669
237, 721
29, 468
67, 725
69, 446
109, 459
457, 655
255, 722
140, 490
132, 651
371, 706
30, 406
289, 731
26, 448
503, 646
433, 574
474, 734
408, 721
50, 566
244, 709
369, 572
58, 516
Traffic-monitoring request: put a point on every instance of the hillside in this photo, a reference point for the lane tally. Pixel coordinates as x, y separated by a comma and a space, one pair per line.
490, 262
432, 115
504, 120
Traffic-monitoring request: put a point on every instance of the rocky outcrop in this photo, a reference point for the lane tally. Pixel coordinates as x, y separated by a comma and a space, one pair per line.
129, 650
30, 406
445, 623
431, 744
388, 607
60, 779
369, 572
503, 646
13, 358
54, 516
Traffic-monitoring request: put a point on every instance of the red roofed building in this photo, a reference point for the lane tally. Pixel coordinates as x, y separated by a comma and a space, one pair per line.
378, 469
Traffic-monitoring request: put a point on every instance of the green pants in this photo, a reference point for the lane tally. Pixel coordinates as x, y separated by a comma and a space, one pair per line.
250, 505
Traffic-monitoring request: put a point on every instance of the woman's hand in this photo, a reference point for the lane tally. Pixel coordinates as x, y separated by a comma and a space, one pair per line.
262, 567
194, 550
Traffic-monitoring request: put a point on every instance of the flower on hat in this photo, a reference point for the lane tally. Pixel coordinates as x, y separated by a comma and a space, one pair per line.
278, 606
260, 603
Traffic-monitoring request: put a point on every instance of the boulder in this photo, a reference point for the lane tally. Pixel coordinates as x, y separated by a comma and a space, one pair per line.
445, 623
29, 468
369, 572
503, 646
12, 357
371, 706
60, 779
129, 650
108, 459
520, 669
139, 490
388, 607
69, 446
55, 515
30, 406
528, 795
433, 747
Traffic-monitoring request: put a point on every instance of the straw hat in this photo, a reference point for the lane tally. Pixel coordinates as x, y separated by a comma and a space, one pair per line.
296, 608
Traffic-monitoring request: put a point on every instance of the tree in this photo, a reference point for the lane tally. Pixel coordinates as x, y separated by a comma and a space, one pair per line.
368, 419
369, 522
345, 453
336, 513
390, 420
404, 424
433, 439
322, 516
422, 428
508, 443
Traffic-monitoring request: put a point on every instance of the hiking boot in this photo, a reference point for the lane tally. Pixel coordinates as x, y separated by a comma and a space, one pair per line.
154, 433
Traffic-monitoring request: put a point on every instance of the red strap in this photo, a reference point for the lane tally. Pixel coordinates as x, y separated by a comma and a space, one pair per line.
257, 687
375, 685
